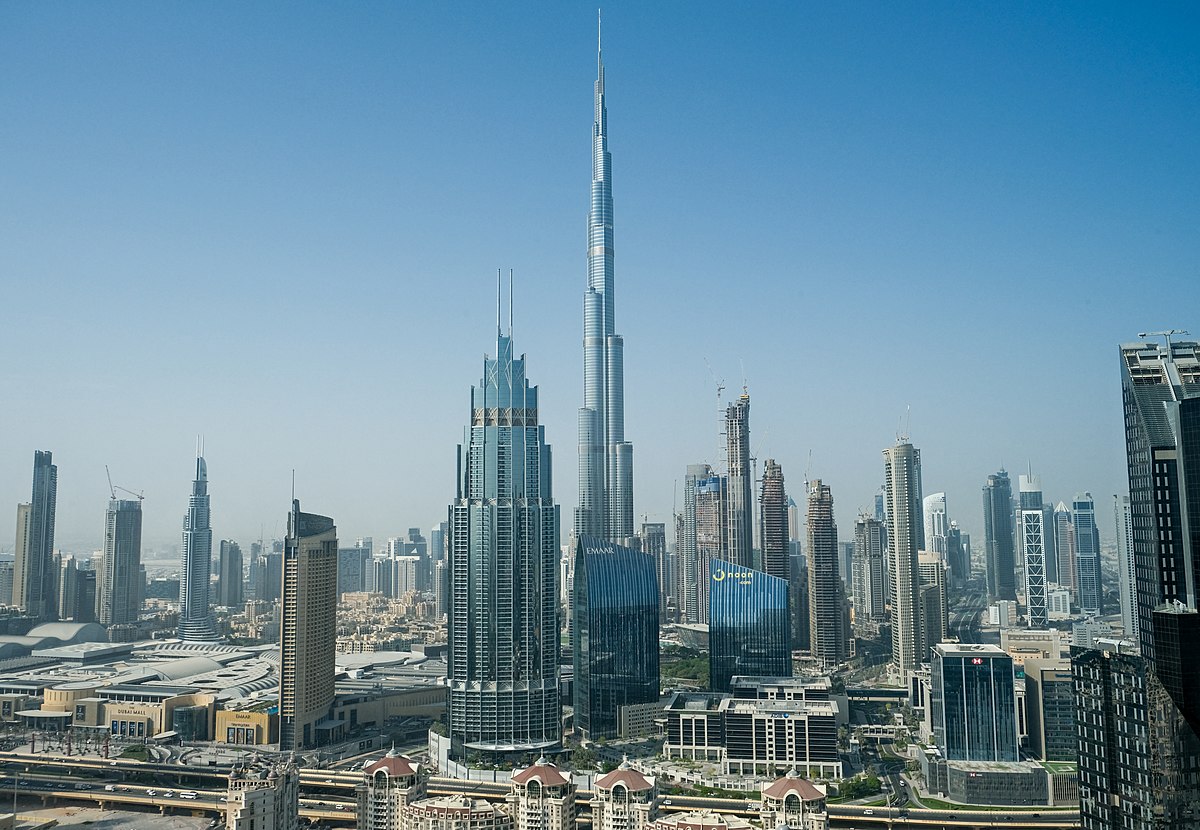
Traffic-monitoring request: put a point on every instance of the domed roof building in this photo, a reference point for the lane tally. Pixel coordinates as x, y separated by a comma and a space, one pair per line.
542, 798
795, 803
389, 785
624, 799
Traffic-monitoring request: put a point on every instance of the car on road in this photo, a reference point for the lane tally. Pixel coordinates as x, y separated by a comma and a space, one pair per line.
667, 802
188, 794
152, 793
110, 788
868, 812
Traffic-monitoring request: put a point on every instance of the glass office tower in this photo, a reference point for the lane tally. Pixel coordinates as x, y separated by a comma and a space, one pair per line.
616, 628
749, 631
503, 560
973, 703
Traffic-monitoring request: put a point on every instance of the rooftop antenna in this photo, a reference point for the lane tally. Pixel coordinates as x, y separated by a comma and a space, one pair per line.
293, 485
510, 304
498, 302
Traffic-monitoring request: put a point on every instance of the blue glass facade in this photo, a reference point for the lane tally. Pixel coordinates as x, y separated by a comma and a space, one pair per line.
973, 703
616, 628
748, 625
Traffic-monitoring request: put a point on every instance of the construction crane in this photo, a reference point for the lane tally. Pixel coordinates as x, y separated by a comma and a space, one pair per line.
113, 488
1167, 334
720, 382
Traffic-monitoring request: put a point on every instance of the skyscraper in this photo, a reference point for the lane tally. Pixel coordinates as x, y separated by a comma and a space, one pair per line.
933, 603
957, 556
1139, 755
195, 612
119, 588
998, 536
653, 541
712, 533
1064, 547
935, 523
605, 508
827, 640
1127, 575
308, 627
616, 612
741, 494
972, 703
748, 626
1033, 550
773, 518
21, 563
902, 488
35, 580
688, 576
229, 575
870, 583
503, 558
1087, 553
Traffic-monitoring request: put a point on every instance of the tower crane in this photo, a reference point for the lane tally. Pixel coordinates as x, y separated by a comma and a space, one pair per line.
113, 488
1167, 334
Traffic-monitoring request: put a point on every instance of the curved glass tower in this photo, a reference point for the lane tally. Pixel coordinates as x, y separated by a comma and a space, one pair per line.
605, 509
616, 608
195, 615
503, 561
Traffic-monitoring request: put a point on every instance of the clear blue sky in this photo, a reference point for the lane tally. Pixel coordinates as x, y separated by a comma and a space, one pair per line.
278, 225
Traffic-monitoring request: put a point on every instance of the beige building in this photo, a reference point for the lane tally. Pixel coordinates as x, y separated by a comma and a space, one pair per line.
21, 564
264, 796
252, 726
542, 798
1033, 644
308, 630
457, 812
137, 711
624, 799
794, 803
702, 820
389, 785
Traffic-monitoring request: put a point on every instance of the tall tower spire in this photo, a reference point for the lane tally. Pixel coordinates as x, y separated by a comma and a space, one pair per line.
195, 614
605, 507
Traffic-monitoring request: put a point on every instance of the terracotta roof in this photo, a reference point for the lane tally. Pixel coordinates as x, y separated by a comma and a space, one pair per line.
783, 786
633, 780
394, 765
543, 771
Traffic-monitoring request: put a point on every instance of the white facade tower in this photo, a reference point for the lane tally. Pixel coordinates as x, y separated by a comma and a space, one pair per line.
1032, 540
605, 508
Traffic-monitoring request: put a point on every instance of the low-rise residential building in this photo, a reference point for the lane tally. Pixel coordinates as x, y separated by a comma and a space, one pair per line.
457, 812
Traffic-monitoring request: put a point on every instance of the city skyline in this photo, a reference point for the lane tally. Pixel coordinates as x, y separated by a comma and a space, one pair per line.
855, 177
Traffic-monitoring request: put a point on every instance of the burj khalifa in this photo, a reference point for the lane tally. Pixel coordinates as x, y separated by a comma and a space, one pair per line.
605, 508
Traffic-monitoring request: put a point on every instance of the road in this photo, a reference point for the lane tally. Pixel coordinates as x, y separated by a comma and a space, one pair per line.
329, 795
964, 616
